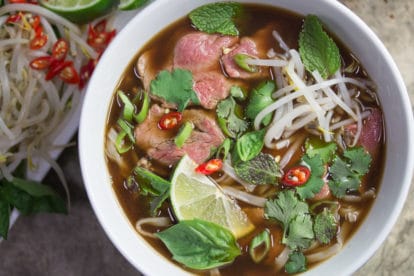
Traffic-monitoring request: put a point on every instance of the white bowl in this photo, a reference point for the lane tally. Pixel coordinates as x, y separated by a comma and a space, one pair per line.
357, 37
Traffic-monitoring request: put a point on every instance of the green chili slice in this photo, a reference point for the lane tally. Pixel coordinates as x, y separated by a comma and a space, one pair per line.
260, 246
128, 109
183, 134
143, 113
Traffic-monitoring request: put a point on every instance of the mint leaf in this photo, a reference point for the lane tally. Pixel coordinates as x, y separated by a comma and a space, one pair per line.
153, 186
260, 98
317, 50
200, 244
216, 18
316, 146
346, 174
325, 226
315, 181
228, 120
293, 215
296, 263
175, 87
250, 144
260, 170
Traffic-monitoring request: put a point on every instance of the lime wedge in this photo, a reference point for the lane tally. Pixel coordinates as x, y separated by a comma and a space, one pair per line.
127, 5
195, 195
80, 11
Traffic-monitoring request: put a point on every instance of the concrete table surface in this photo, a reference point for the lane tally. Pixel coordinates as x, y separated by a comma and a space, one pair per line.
48, 244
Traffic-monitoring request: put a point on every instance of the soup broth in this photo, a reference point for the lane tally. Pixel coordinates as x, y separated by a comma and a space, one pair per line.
274, 34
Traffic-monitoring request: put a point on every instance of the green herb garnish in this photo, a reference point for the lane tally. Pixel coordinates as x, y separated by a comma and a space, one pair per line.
315, 181
240, 60
183, 134
296, 263
315, 146
346, 174
317, 50
200, 244
229, 121
293, 215
216, 18
259, 246
260, 170
150, 184
175, 87
250, 145
325, 226
260, 98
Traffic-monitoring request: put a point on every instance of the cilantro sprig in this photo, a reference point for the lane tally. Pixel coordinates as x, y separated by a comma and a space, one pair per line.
231, 124
347, 173
175, 87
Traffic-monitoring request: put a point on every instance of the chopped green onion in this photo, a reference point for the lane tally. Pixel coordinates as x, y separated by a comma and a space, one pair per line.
224, 149
240, 60
128, 110
143, 113
127, 128
260, 246
120, 144
183, 134
223, 125
237, 92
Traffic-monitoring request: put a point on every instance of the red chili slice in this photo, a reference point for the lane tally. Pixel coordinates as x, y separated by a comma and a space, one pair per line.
14, 18
60, 49
86, 72
41, 63
170, 120
69, 75
56, 67
296, 176
210, 166
38, 41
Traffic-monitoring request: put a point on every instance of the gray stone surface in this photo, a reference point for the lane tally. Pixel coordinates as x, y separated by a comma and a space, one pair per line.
48, 244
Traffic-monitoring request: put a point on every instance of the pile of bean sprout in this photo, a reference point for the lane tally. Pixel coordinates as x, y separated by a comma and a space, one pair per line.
33, 109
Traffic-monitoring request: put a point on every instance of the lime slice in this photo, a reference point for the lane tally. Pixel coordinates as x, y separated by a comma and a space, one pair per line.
80, 11
127, 5
195, 195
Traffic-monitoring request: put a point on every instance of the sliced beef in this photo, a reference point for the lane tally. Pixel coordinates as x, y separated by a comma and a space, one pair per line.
211, 87
371, 133
201, 52
246, 46
159, 144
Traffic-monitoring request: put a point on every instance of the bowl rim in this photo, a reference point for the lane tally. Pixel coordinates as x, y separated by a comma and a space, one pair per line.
155, 263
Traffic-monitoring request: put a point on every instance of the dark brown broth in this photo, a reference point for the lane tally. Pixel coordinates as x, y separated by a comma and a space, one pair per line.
135, 206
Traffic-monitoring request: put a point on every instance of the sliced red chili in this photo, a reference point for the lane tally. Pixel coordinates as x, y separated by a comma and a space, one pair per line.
60, 49
69, 75
14, 18
38, 41
56, 67
296, 176
170, 120
41, 63
86, 72
210, 166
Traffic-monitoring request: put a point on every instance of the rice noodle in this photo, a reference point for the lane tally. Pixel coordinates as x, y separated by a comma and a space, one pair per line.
283, 257
245, 197
369, 194
154, 221
291, 151
324, 254
266, 62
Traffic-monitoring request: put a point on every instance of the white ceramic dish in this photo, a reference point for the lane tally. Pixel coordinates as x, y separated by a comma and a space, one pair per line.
356, 35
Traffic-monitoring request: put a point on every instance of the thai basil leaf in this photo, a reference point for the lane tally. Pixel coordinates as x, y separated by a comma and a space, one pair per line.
200, 244
250, 145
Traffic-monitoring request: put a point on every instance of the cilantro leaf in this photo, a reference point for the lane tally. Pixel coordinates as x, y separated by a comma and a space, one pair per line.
200, 244
317, 50
260, 98
229, 122
346, 174
260, 170
315, 181
293, 215
152, 186
296, 263
360, 160
325, 226
175, 87
300, 234
316, 146
216, 18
